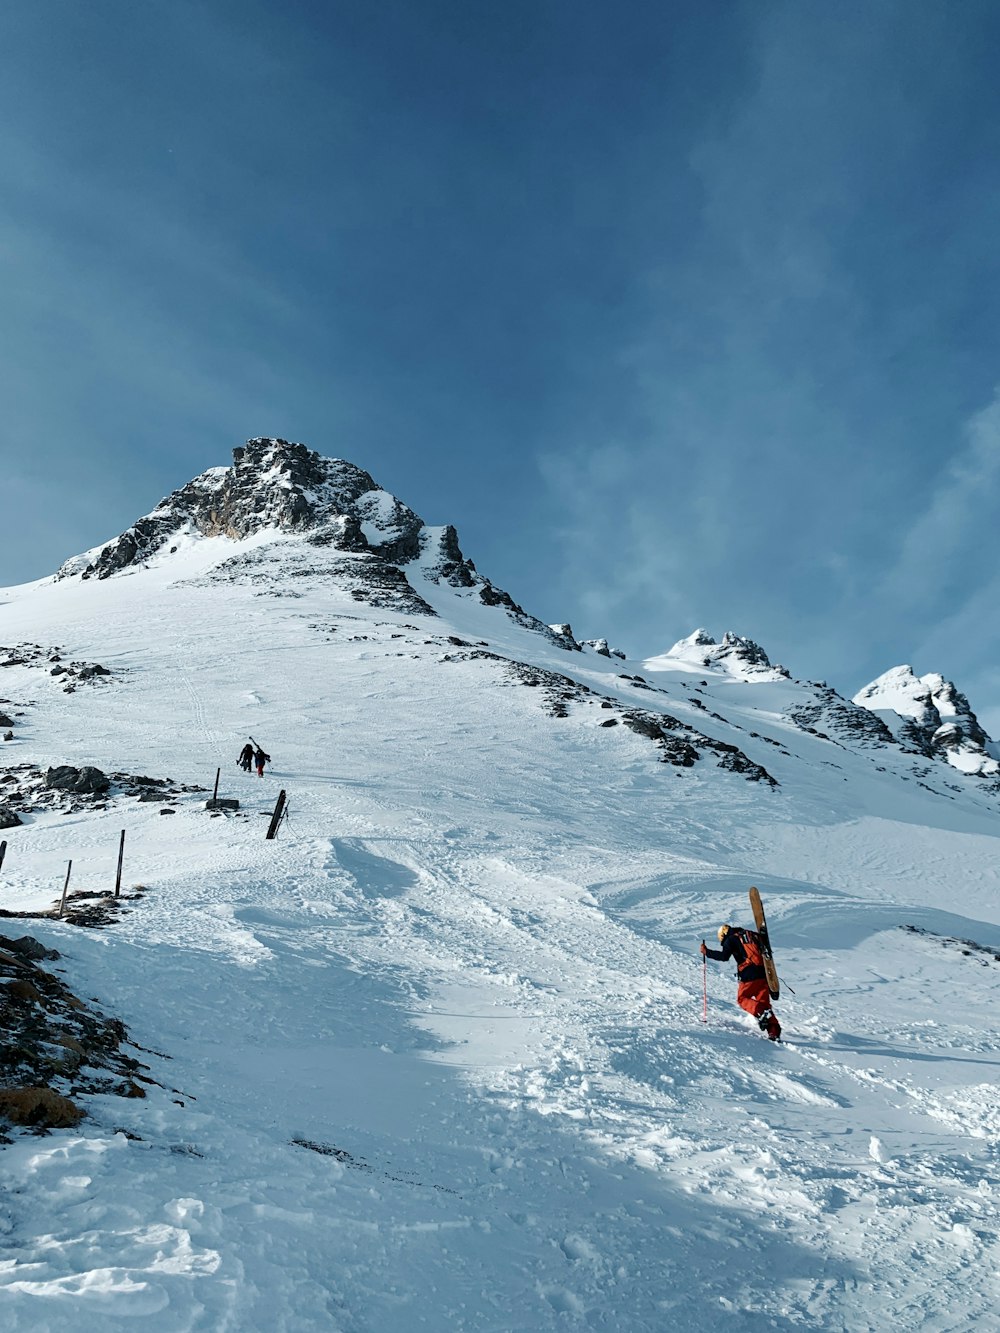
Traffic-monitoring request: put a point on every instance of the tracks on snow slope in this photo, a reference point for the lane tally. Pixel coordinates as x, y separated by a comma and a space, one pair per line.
572, 1016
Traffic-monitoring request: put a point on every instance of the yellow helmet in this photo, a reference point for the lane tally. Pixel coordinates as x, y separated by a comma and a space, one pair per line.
722, 932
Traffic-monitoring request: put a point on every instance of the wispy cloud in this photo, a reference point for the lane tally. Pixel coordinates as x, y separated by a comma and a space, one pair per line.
950, 546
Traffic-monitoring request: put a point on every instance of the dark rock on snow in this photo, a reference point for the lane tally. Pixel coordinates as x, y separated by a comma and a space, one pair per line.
81, 780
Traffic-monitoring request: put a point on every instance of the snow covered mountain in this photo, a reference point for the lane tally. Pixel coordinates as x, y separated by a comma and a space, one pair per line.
735, 655
929, 714
442, 1054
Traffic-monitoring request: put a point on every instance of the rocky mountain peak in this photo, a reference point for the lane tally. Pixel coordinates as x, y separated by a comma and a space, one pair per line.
929, 714
278, 487
736, 655
272, 484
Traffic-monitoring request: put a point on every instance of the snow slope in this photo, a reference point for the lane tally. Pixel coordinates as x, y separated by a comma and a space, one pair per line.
434, 1058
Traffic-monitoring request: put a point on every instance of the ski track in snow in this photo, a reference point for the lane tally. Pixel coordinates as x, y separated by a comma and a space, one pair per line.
467, 969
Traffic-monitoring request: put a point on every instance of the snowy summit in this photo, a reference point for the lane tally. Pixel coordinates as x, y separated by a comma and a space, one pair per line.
443, 1052
736, 656
930, 713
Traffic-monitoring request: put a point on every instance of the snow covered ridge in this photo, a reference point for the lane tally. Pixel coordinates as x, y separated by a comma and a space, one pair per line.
928, 714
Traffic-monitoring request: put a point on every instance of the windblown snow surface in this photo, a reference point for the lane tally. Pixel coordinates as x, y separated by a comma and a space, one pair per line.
434, 1057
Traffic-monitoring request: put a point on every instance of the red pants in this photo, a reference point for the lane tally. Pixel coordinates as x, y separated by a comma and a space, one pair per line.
755, 998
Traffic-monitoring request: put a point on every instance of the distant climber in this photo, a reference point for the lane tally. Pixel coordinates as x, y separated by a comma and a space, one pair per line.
260, 759
245, 760
752, 993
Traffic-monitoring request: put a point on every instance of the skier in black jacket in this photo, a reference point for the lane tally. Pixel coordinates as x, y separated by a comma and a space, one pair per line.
245, 760
752, 993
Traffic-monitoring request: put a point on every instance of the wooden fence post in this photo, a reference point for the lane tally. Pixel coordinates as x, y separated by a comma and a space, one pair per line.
215, 794
62, 905
279, 810
3, 853
121, 855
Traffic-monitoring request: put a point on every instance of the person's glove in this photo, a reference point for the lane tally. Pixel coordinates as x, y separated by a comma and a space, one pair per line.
704, 951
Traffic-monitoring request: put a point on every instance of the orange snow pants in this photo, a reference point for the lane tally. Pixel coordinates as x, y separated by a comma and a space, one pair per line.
755, 998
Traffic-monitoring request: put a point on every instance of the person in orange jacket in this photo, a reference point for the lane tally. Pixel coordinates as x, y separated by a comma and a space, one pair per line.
752, 993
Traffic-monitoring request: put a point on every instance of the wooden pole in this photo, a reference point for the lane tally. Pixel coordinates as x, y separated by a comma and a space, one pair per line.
3, 853
279, 809
62, 905
121, 855
215, 794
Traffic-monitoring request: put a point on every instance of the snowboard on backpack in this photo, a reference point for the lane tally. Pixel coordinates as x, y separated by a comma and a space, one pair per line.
765, 944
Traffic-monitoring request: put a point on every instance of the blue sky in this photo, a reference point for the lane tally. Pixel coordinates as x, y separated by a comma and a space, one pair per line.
685, 313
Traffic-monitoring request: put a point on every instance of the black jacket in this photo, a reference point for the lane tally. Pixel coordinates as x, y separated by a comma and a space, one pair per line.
732, 947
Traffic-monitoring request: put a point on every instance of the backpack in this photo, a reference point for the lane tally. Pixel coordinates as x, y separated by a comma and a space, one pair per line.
751, 947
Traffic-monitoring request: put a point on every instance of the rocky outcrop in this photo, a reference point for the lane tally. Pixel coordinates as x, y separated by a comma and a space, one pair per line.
602, 647
271, 484
275, 485
827, 715
928, 715
54, 1048
83, 781
736, 655
25, 789
67, 674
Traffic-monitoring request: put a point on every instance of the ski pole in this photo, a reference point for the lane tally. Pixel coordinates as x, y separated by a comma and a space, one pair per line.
704, 989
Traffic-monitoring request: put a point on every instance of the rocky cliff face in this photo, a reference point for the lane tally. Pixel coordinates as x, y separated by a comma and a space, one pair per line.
929, 715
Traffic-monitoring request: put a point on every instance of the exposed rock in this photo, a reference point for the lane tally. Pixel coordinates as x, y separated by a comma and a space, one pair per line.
81, 780
70, 673
8, 818
28, 947
443, 558
271, 484
27, 789
830, 716
929, 716
601, 646
53, 1047
737, 655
